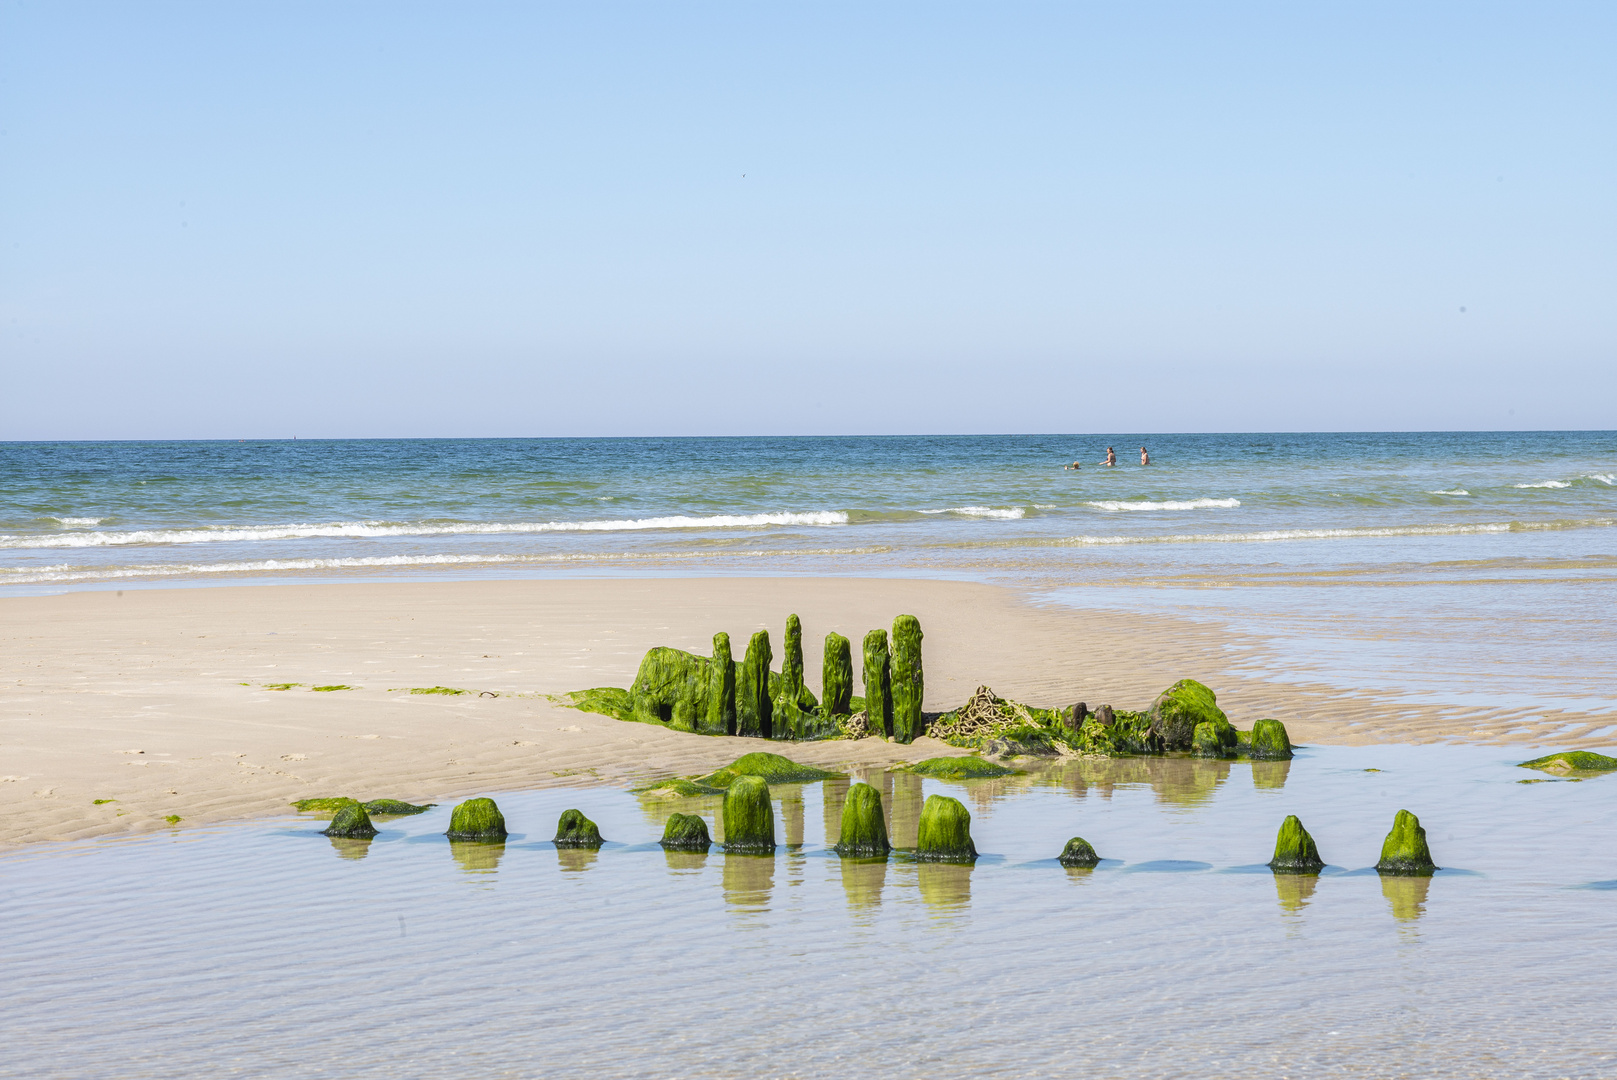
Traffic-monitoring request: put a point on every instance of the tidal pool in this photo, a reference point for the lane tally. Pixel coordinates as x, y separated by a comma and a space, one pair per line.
268, 950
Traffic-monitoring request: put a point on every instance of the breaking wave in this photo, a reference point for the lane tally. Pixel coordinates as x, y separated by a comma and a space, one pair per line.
1190, 504
1370, 531
1545, 484
1456, 491
1012, 513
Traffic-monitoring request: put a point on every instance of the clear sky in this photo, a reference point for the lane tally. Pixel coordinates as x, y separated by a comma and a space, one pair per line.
329, 218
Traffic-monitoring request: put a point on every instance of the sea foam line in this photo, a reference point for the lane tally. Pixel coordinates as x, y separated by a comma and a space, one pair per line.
1272, 535
1189, 504
1012, 513
367, 529
1545, 484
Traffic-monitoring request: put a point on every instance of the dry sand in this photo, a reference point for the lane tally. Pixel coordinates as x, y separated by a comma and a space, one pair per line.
157, 700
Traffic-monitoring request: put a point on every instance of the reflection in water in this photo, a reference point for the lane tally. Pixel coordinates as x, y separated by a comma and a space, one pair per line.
833, 792
944, 886
350, 847
1270, 774
685, 862
1079, 873
1188, 781
477, 856
658, 810
904, 811
1407, 895
1295, 890
748, 880
1182, 781
862, 881
791, 814
576, 860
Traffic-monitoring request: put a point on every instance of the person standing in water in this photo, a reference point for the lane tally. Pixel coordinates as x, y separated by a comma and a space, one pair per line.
1111, 457
1145, 458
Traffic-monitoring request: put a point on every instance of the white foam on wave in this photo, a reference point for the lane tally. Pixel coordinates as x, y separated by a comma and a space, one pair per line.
1605, 478
1545, 484
77, 522
1011, 513
1456, 491
368, 529
1272, 535
1188, 504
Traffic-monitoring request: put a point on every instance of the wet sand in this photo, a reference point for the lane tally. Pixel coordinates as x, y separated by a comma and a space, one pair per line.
156, 699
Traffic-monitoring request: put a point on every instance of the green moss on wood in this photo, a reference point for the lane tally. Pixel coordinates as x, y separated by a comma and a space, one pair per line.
671, 688
945, 831
322, 805
1177, 711
959, 768
1208, 741
476, 819
772, 768
864, 827
753, 711
1115, 733
1295, 851
396, 808
1572, 761
1078, 852
1269, 741
749, 819
908, 681
836, 676
685, 832
720, 717
1405, 851
679, 788
786, 691
878, 676
351, 821
610, 701
574, 830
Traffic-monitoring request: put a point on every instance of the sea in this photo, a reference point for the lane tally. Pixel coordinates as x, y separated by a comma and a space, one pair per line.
1464, 569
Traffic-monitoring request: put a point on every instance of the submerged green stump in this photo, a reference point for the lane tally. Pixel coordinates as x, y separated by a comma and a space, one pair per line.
1405, 851
1295, 851
352, 821
945, 832
752, 689
574, 830
476, 819
908, 684
720, 718
1181, 708
749, 820
864, 828
836, 676
1078, 852
1270, 741
878, 675
685, 832
1208, 741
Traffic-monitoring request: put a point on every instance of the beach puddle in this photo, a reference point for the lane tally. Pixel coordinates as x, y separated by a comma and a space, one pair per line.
267, 949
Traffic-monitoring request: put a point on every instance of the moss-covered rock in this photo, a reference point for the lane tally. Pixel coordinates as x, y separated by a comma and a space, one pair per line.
671, 688
685, 832
944, 834
612, 701
1078, 852
753, 712
476, 819
864, 827
836, 676
1269, 741
396, 808
1177, 711
574, 830
1405, 851
720, 717
772, 768
878, 676
908, 682
1208, 741
749, 819
1295, 852
351, 821
959, 768
1565, 761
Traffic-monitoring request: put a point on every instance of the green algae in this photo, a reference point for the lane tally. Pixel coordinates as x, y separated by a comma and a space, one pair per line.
102, 802
878, 676
1208, 741
864, 828
678, 788
1269, 741
720, 717
753, 712
785, 691
944, 833
448, 691
1078, 852
606, 700
671, 688
771, 768
173, 819
685, 832
749, 819
1572, 761
908, 684
476, 819
959, 768
1115, 733
836, 676
280, 685
1405, 851
396, 807
574, 830
1295, 850
323, 805
351, 821
329, 689
1180, 708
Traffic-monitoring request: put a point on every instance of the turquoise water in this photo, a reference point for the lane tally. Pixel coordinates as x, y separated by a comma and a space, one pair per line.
1471, 569
267, 950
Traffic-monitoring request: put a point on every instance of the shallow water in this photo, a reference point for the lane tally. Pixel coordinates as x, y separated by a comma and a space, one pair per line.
269, 950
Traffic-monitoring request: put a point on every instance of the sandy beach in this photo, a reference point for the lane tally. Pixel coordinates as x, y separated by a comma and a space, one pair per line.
157, 700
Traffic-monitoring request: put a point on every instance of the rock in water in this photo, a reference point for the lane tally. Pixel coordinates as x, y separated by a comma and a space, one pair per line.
749, 820
836, 677
352, 821
671, 688
945, 832
1078, 853
864, 829
1207, 741
1295, 852
574, 830
752, 689
476, 819
720, 718
1405, 851
878, 675
908, 685
1177, 711
685, 832
1269, 741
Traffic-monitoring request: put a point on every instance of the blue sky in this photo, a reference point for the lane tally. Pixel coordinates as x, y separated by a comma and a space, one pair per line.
373, 219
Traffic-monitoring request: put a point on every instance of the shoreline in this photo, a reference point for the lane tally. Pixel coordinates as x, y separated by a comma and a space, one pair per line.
156, 699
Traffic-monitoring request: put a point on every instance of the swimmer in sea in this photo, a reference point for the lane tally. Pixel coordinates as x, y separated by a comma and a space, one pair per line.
1111, 457
1145, 458
1071, 467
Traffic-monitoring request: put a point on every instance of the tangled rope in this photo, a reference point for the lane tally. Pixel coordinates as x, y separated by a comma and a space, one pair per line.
983, 714
854, 727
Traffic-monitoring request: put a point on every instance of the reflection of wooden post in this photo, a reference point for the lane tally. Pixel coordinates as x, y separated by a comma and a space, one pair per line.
832, 792
748, 880
1295, 890
904, 810
791, 812
944, 886
862, 881
1270, 774
1406, 894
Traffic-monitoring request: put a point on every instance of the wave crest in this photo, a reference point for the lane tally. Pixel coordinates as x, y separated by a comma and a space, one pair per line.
1187, 504
1012, 513
1545, 484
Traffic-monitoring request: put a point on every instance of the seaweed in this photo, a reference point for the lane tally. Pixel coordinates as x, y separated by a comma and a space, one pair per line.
448, 691
329, 689
959, 768
396, 807
1572, 761
610, 701
678, 788
770, 767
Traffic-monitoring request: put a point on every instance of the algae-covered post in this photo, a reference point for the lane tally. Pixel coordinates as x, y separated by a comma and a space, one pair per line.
945, 831
752, 689
878, 677
1405, 850
1180, 708
351, 821
476, 819
1270, 741
908, 685
574, 830
791, 662
836, 676
864, 829
685, 832
749, 820
671, 688
1079, 853
721, 690
1295, 851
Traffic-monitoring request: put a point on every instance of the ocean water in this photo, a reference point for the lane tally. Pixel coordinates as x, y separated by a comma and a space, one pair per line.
268, 950
1470, 569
